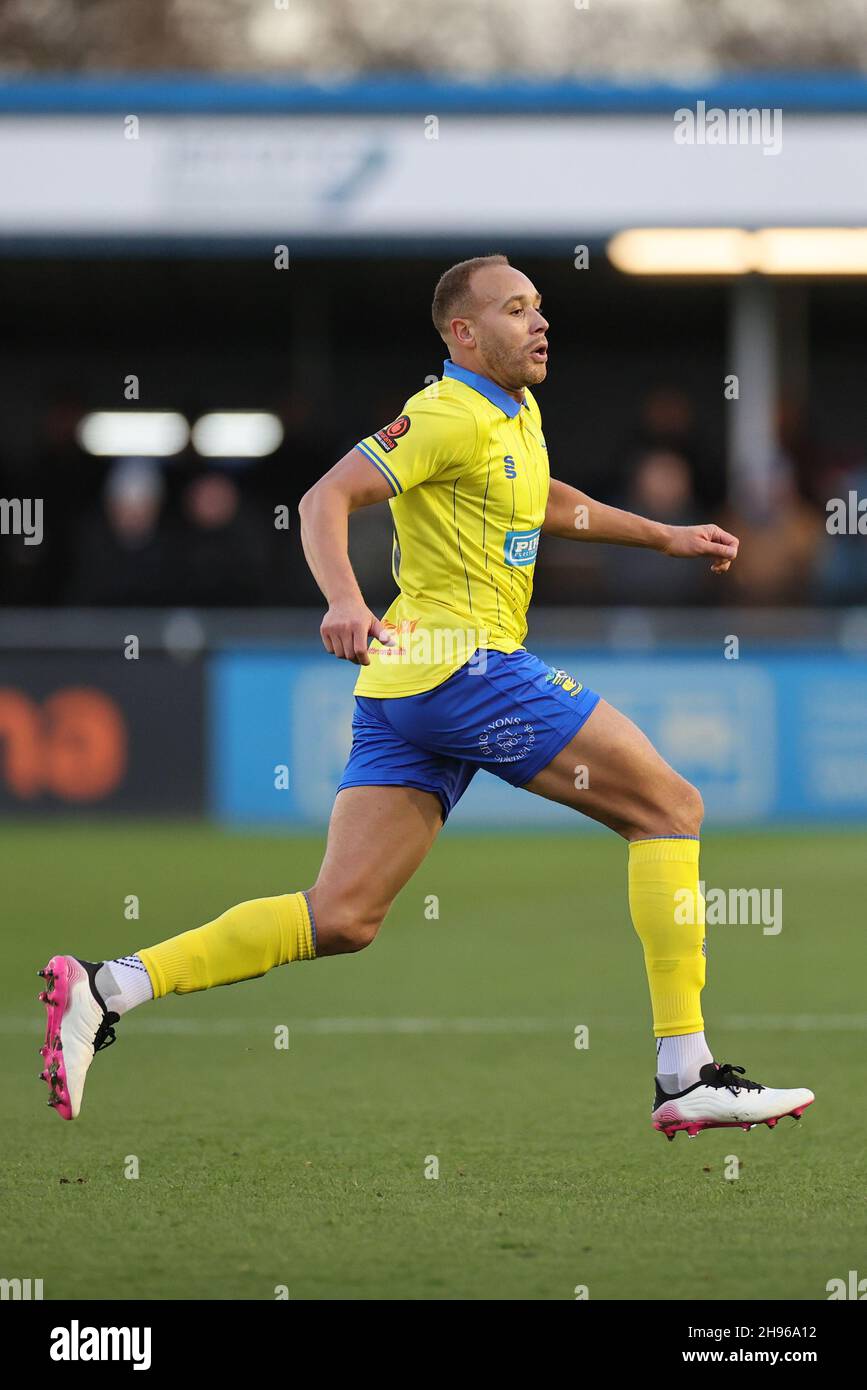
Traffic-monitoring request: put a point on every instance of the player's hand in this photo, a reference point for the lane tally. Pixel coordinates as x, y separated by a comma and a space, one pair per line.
688, 541
347, 628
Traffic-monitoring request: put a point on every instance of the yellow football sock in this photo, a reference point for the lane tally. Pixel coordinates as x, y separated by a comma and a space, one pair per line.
668, 914
242, 944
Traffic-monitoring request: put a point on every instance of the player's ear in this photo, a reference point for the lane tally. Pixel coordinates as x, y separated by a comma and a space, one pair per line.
462, 333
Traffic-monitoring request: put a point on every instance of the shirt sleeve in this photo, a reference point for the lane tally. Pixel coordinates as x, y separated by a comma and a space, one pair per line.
433, 438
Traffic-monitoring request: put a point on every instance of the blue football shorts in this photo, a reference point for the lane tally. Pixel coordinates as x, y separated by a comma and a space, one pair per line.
510, 714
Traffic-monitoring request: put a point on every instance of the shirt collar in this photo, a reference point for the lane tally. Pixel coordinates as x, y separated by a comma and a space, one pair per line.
487, 388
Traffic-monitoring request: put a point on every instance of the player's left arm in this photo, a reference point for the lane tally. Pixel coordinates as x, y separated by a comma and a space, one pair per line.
577, 517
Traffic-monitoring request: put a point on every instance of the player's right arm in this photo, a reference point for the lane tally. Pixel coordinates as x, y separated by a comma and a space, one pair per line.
324, 510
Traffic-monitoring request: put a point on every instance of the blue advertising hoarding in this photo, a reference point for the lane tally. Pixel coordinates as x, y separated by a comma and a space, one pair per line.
777, 738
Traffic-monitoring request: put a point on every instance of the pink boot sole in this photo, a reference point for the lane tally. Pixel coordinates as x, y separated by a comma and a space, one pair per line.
670, 1128
60, 974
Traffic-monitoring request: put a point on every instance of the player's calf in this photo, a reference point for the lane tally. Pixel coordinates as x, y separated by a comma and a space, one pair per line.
343, 926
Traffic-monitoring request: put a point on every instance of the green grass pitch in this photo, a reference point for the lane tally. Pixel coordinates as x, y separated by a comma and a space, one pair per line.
451, 1039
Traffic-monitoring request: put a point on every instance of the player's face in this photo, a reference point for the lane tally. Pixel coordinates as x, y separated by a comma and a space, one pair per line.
508, 327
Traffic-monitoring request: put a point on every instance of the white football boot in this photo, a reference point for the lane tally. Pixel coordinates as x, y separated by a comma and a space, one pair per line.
78, 1026
724, 1097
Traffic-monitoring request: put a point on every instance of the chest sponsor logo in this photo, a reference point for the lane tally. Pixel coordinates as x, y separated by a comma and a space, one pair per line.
521, 547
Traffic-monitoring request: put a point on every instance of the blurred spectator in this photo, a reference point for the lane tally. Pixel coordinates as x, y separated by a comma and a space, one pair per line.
667, 422
778, 548
661, 488
122, 554
222, 545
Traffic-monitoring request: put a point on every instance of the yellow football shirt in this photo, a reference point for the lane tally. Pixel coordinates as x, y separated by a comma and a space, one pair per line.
468, 468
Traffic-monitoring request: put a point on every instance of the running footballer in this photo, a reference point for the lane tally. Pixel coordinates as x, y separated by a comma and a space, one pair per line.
446, 689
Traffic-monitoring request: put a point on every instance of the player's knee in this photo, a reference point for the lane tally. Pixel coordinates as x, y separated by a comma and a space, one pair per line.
688, 809
672, 806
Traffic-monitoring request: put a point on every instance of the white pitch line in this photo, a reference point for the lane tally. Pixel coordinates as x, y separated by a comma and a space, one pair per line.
230, 1027
794, 1023
239, 1027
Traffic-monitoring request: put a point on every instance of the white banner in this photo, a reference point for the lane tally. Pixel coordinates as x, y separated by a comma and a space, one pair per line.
572, 177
